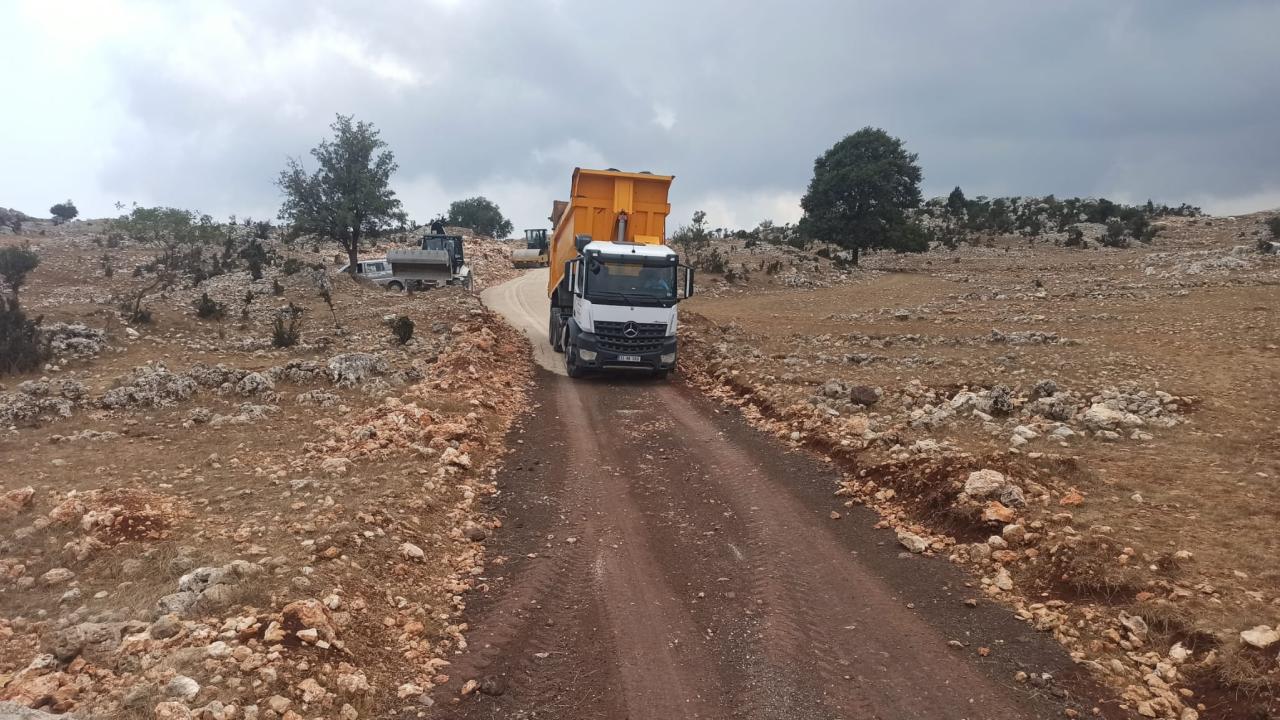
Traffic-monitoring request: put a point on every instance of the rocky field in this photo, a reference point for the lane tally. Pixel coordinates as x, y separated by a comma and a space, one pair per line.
199, 524
1090, 431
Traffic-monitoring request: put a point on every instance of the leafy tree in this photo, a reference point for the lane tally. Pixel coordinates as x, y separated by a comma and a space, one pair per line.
64, 211
860, 193
1075, 237
1102, 211
177, 234
694, 237
481, 215
998, 216
349, 195
955, 202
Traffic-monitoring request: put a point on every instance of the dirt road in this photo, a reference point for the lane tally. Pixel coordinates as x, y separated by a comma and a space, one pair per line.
523, 302
664, 560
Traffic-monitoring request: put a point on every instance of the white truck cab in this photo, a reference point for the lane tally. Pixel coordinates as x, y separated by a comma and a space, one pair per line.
623, 307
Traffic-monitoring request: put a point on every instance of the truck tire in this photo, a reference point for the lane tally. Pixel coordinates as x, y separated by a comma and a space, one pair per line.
571, 366
555, 334
395, 285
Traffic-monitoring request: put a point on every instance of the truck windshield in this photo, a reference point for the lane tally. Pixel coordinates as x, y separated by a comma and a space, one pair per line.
637, 280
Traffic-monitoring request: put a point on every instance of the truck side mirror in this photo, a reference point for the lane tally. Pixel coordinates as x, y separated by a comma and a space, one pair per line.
687, 281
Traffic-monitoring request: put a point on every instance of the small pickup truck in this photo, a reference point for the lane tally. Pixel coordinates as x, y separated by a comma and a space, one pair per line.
377, 271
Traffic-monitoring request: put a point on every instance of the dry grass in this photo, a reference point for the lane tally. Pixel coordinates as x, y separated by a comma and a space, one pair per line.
1089, 570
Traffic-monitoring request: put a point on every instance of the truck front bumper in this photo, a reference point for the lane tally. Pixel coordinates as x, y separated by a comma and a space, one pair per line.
592, 355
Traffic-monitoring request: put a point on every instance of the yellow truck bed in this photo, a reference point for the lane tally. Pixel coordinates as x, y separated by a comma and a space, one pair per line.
595, 199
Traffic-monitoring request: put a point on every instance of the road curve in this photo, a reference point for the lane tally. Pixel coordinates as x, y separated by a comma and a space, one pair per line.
663, 560
523, 302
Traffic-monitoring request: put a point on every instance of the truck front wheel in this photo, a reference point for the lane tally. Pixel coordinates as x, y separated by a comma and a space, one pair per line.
571, 366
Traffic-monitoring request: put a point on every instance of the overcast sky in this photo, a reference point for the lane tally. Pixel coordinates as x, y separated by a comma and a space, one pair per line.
199, 104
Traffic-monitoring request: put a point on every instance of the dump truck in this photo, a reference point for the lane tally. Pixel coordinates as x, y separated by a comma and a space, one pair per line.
534, 253
614, 282
437, 261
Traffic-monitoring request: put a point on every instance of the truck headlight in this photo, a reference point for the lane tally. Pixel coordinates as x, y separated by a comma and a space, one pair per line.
668, 358
587, 355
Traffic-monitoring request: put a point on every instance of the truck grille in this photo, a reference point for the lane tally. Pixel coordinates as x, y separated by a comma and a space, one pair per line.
630, 338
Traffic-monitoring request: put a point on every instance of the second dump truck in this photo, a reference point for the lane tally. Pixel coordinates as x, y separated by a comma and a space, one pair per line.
614, 281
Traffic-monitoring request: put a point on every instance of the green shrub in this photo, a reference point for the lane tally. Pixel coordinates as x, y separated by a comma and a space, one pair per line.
292, 266
1075, 237
255, 255
402, 328
209, 309
1114, 237
713, 261
22, 348
286, 326
1273, 225
15, 263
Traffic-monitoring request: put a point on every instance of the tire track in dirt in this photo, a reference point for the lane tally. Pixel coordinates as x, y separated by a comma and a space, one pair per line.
658, 647
522, 636
724, 591
604, 592
825, 609
706, 581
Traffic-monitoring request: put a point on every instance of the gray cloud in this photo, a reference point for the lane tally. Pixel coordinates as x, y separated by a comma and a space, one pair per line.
199, 104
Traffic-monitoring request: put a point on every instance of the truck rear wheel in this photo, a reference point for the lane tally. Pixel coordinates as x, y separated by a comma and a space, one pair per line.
395, 285
555, 334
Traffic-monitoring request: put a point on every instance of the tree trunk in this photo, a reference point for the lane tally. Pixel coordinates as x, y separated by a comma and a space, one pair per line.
856, 253
353, 251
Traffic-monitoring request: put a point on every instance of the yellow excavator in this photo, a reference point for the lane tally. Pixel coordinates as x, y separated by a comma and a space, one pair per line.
534, 254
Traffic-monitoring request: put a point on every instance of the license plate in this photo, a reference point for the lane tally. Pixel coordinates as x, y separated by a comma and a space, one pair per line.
628, 358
